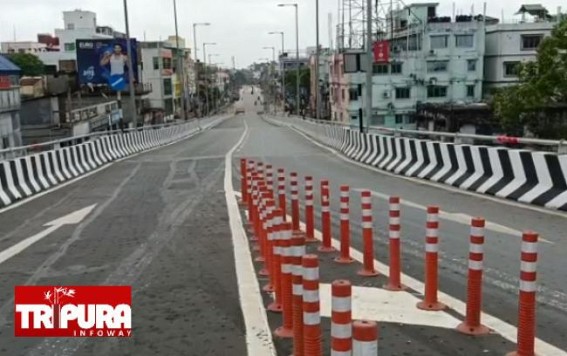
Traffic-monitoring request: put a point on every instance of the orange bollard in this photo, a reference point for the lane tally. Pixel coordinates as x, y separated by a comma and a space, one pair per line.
286, 330
298, 245
430, 301
276, 305
527, 299
251, 173
472, 325
364, 338
327, 246
270, 177
261, 246
252, 206
294, 201
341, 318
367, 236
243, 182
281, 192
312, 339
345, 227
394, 280
309, 213
270, 211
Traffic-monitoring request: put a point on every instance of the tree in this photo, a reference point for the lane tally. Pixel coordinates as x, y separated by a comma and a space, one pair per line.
30, 64
543, 83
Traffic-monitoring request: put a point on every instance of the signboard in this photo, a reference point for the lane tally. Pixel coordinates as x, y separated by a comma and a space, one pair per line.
381, 52
5, 82
105, 61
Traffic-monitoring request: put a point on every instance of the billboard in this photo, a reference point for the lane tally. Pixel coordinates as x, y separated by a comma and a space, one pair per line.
105, 61
381, 51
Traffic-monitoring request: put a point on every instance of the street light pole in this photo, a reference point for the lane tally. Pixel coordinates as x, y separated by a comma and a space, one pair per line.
205, 44
369, 62
296, 6
180, 68
130, 68
213, 98
272, 74
317, 63
196, 59
283, 67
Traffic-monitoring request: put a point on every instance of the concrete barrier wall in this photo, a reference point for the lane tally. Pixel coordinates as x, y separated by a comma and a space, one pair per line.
25, 176
531, 177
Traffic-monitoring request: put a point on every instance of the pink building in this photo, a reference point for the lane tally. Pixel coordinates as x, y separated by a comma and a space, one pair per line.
339, 90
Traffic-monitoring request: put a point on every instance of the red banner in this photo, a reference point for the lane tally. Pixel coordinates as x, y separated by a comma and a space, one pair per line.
381, 52
5, 82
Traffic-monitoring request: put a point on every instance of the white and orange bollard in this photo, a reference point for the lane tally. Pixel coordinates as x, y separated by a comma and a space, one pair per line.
312, 338
326, 246
298, 246
364, 338
430, 301
344, 256
341, 318
281, 192
243, 182
472, 325
294, 201
270, 216
394, 228
276, 270
309, 212
527, 299
252, 206
367, 236
270, 177
262, 237
286, 330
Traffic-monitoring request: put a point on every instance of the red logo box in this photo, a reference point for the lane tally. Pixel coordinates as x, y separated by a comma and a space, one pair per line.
73, 311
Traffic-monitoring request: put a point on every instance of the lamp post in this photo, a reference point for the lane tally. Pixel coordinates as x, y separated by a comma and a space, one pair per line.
218, 66
283, 67
180, 68
369, 62
272, 72
197, 58
130, 68
296, 6
317, 63
205, 44
211, 64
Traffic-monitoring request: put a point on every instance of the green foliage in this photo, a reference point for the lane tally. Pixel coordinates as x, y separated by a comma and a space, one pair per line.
30, 65
291, 79
543, 84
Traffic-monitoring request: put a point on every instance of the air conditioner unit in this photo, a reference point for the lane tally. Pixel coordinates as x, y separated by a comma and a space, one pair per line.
386, 94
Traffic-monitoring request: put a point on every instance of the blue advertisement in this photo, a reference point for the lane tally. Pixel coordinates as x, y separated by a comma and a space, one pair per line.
105, 61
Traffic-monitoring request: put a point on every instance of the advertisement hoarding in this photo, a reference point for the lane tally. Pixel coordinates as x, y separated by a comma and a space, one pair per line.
105, 61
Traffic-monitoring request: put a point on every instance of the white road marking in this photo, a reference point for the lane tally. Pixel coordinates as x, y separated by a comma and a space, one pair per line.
457, 217
71, 219
503, 328
433, 184
258, 334
378, 304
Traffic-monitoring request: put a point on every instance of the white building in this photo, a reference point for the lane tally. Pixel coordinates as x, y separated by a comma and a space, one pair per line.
158, 70
433, 60
22, 47
10, 102
78, 24
508, 44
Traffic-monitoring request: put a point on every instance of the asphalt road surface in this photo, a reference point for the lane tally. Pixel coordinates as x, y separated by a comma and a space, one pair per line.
161, 225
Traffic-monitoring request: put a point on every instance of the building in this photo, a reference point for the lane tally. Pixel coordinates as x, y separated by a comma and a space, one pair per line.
322, 84
10, 134
78, 24
22, 47
157, 69
508, 44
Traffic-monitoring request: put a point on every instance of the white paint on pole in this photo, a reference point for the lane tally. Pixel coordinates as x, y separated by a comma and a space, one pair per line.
258, 334
71, 219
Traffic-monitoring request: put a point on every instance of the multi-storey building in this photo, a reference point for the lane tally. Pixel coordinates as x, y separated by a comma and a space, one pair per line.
22, 47
10, 135
157, 69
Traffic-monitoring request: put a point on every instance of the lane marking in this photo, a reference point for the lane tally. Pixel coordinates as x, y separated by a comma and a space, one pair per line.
503, 328
105, 166
460, 218
258, 334
432, 184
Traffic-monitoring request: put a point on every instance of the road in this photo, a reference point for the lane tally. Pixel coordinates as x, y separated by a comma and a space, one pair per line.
160, 223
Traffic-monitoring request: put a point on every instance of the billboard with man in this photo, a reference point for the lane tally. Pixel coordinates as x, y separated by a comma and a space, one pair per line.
105, 61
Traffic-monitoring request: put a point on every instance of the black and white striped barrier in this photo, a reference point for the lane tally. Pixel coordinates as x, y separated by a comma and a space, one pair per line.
532, 177
25, 176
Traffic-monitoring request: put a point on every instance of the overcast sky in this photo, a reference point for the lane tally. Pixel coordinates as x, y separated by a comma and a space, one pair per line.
240, 27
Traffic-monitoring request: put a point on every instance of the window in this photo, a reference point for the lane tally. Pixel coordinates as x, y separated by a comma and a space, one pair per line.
399, 119
435, 91
156, 63
438, 42
471, 65
168, 103
353, 94
396, 68
5, 142
167, 63
69, 47
167, 87
511, 69
70, 26
470, 91
343, 94
403, 93
380, 68
411, 119
464, 41
531, 42
437, 66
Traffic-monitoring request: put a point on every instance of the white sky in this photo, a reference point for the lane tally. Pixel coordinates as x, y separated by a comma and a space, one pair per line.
240, 27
